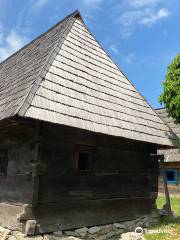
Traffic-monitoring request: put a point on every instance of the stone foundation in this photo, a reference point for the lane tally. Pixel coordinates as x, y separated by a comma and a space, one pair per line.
9, 216
112, 231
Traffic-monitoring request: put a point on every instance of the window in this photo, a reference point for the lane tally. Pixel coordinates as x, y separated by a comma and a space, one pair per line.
3, 163
84, 158
171, 176
83, 161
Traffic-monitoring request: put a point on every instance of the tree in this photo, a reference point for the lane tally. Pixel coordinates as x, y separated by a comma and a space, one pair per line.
171, 99
171, 90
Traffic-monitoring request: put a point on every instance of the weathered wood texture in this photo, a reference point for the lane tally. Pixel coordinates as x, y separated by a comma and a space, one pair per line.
83, 88
171, 156
19, 74
121, 185
66, 77
173, 188
111, 175
74, 214
162, 112
123, 177
17, 186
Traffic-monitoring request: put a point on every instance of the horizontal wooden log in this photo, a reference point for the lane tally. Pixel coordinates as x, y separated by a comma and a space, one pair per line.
74, 214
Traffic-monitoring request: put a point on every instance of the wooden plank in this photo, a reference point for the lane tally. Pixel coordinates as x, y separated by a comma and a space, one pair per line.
75, 214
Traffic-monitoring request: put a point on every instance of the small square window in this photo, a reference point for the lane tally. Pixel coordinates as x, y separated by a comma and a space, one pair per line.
84, 158
3, 163
171, 176
83, 161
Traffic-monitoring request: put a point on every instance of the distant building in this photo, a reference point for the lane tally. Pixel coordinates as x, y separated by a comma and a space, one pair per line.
77, 140
172, 158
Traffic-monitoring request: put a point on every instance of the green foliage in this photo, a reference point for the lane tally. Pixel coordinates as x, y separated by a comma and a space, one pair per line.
171, 89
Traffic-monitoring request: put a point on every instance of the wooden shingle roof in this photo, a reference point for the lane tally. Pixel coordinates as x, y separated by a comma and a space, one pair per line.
65, 77
171, 155
162, 112
19, 73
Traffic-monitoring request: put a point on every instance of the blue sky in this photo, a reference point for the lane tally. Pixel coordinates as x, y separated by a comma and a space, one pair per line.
142, 36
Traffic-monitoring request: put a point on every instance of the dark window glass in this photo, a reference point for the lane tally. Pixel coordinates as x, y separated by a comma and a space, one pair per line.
84, 158
83, 161
171, 176
3, 163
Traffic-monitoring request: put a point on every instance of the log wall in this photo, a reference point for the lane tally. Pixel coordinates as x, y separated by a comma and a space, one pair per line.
121, 185
17, 184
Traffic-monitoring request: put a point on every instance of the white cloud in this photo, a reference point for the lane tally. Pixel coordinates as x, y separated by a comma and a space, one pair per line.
10, 44
14, 40
134, 13
126, 32
155, 17
130, 18
128, 59
145, 16
40, 3
143, 3
91, 4
113, 48
1, 33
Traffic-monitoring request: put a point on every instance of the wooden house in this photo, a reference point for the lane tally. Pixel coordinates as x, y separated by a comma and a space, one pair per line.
171, 163
77, 140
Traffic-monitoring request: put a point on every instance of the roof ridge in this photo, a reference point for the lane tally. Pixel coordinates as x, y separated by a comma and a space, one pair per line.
29, 97
73, 14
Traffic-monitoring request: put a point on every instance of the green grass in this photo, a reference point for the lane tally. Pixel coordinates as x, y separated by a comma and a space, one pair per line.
175, 203
159, 236
169, 228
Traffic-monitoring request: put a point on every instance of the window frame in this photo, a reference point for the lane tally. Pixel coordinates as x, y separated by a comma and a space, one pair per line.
84, 149
3, 154
175, 176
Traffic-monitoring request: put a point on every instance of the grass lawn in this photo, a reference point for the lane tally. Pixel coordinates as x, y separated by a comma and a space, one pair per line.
175, 203
168, 228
